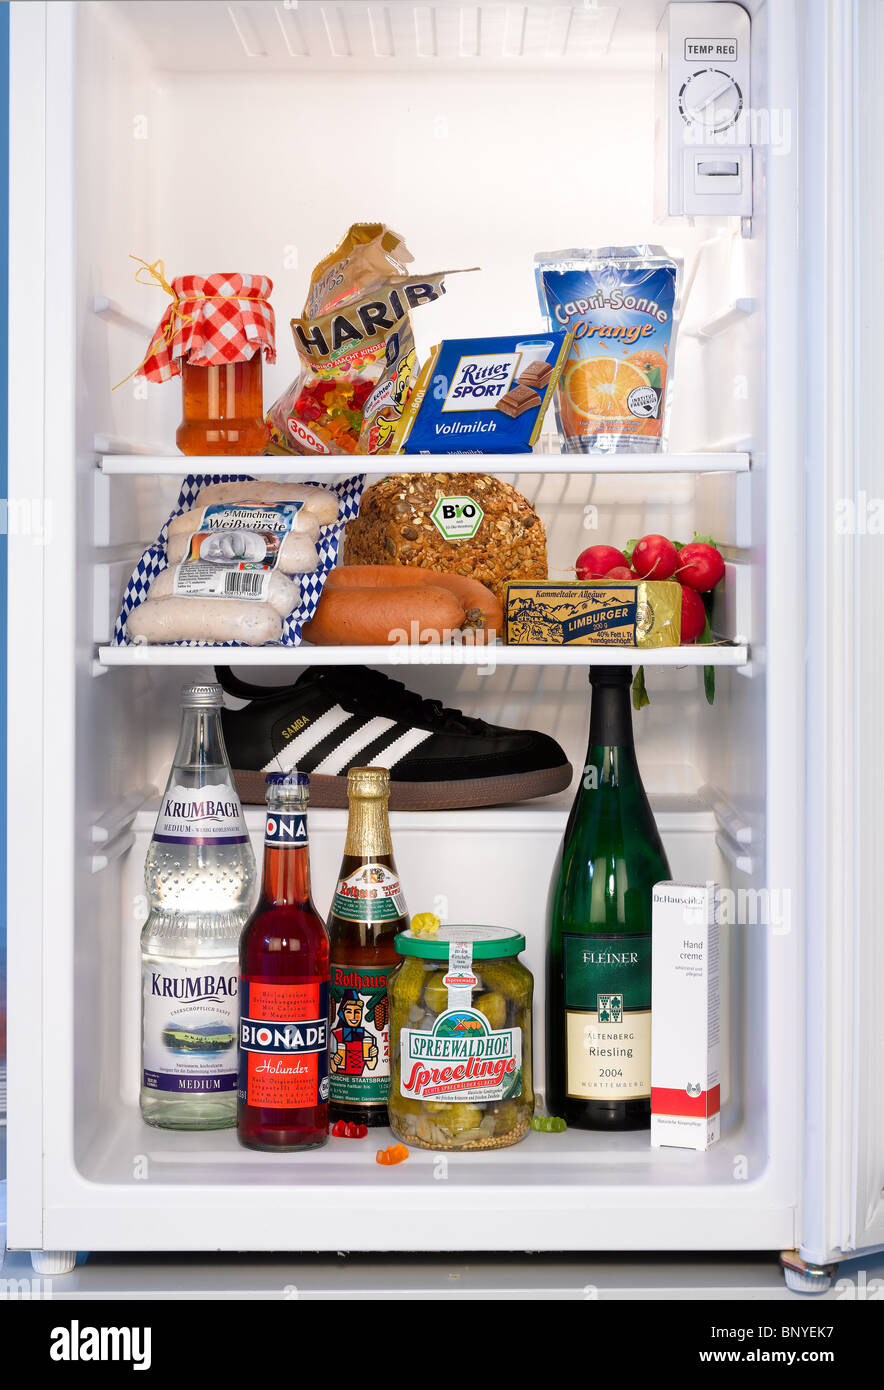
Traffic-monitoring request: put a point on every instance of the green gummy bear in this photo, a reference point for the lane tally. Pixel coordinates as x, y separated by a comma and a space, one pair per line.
548, 1124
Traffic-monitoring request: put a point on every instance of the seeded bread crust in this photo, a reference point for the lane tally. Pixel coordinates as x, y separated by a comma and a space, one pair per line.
394, 526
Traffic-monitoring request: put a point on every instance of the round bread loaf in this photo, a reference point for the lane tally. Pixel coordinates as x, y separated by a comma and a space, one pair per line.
395, 526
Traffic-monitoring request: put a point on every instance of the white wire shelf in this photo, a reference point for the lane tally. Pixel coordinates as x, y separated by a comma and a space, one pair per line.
432, 654
281, 465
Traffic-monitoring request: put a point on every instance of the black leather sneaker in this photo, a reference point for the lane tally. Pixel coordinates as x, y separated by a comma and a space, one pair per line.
337, 717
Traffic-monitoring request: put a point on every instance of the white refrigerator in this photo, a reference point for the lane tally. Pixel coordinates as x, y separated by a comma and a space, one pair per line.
252, 134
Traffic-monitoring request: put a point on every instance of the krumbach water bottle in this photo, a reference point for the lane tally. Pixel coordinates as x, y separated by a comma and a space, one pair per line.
199, 875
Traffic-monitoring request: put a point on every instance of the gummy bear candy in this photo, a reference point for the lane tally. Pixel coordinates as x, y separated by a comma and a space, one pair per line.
425, 924
344, 1129
395, 1153
548, 1124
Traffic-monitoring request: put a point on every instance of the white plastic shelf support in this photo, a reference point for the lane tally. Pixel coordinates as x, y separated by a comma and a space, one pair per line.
112, 312
744, 863
734, 313
113, 850
726, 816
112, 446
434, 654
120, 815
130, 462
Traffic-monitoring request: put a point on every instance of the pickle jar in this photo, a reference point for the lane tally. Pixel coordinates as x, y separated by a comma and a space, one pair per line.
460, 1039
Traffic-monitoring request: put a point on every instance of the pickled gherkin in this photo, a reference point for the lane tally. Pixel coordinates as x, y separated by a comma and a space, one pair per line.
461, 1040
454, 1118
509, 978
409, 982
493, 1006
435, 993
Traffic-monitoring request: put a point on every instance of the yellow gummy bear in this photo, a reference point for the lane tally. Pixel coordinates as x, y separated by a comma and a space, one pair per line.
425, 924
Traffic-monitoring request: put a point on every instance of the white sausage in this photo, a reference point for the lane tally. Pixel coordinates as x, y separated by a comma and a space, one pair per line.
319, 502
204, 620
283, 595
303, 524
297, 554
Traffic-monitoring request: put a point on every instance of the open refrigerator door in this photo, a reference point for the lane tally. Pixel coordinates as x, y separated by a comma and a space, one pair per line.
843, 1204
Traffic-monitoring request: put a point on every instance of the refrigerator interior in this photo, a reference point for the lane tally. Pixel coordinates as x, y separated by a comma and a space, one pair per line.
249, 137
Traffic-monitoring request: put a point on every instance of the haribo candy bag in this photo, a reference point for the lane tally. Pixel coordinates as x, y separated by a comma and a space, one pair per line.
355, 347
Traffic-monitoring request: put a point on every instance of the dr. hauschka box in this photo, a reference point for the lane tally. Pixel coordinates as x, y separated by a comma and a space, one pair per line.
685, 1022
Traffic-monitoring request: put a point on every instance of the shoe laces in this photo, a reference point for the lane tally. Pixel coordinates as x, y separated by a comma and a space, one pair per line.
382, 694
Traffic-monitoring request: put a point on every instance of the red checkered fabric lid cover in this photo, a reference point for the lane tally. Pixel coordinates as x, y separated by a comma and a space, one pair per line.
212, 320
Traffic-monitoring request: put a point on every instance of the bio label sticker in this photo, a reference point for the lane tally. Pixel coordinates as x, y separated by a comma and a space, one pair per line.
457, 518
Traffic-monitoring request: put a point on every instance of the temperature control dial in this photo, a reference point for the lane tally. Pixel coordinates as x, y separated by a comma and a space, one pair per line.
711, 100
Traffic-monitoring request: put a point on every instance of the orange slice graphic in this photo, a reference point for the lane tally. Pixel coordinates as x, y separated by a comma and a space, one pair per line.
598, 387
646, 359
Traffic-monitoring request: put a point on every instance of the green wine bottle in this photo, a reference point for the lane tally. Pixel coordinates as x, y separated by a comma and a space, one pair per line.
598, 998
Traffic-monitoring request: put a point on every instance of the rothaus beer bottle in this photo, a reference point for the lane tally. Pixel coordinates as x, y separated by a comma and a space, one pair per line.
367, 911
598, 1001
199, 875
283, 989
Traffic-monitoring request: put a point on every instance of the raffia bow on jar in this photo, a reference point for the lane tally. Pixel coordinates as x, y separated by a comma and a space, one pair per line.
214, 333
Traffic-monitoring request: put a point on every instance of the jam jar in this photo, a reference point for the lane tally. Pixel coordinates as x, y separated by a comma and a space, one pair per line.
215, 333
222, 409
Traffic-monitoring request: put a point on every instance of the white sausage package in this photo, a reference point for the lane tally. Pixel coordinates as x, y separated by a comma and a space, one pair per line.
239, 562
235, 550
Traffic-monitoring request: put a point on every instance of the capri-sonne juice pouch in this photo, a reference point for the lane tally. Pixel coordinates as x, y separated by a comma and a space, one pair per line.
622, 303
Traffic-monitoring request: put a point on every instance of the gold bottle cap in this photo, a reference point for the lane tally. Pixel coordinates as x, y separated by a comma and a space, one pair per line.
368, 825
373, 782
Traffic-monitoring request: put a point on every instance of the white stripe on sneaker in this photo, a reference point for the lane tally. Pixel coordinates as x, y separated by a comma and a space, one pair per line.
287, 759
333, 763
400, 748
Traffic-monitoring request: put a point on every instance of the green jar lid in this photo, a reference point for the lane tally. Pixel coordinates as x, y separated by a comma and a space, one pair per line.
487, 942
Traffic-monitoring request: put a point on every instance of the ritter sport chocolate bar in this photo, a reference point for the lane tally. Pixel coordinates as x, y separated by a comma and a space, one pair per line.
483, 395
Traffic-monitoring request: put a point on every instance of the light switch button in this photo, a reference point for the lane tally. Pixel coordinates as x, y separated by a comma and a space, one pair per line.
718, 168
718, 182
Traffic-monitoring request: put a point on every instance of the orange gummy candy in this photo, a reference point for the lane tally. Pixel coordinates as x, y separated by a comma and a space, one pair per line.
396, 1153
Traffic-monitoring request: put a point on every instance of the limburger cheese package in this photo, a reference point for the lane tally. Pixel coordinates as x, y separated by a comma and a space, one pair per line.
604, 613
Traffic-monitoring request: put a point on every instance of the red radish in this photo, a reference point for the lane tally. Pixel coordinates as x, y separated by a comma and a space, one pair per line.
693, 614
654, 557
700, 566
620, 572
595, 562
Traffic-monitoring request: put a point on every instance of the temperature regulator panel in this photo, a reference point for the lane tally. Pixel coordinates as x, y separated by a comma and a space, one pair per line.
704, 155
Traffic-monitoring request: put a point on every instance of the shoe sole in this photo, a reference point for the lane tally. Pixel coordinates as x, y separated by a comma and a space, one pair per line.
425, 796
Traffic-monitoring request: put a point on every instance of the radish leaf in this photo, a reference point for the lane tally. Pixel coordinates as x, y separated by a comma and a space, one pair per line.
640, 696
708, 671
